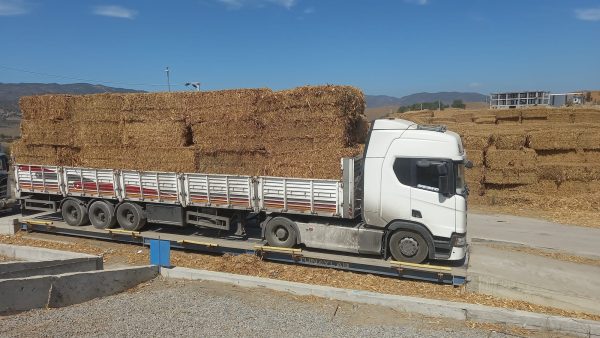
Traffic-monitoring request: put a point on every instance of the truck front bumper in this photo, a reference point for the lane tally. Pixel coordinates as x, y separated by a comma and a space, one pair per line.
458, 253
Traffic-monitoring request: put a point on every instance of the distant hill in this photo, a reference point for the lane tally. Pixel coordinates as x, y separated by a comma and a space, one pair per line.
375, 101
11, 92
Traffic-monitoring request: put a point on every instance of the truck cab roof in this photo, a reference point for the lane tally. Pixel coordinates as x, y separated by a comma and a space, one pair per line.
435, 141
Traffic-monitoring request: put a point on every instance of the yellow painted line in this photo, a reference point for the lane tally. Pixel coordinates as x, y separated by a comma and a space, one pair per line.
210, 245
124, 232
276, 249
34, 222
421, 266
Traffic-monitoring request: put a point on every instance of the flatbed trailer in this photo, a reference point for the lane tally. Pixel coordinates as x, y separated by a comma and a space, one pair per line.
444, 273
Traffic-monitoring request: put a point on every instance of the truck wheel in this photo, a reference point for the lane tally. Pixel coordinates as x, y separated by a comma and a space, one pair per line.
102, 215
280, 232
74, 213
131, 216
408, 246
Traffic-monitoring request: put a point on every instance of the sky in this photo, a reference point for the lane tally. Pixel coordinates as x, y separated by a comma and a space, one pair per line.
384, 47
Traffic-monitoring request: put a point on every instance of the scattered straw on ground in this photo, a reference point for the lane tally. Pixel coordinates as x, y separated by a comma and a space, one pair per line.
560, 256
253, 266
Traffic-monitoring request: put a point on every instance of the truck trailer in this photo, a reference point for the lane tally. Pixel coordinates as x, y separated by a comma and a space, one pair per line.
404, 198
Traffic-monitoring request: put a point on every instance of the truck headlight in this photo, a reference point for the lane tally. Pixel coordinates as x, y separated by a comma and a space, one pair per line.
459, 240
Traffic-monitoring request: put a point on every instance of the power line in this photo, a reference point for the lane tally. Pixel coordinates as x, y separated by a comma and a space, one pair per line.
82, 79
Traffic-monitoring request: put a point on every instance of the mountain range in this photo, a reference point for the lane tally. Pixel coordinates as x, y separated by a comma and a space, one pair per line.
375, 101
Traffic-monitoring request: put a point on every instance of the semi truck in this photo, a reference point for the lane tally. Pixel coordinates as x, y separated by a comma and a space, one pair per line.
405, 197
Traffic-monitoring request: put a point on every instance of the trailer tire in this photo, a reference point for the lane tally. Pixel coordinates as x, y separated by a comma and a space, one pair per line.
280, 232
74, 212
102, 215
408, 246
131, 216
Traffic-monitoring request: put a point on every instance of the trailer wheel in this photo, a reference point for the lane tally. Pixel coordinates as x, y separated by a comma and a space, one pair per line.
102, 215
74, 212
280, 232
131, 216
408, 246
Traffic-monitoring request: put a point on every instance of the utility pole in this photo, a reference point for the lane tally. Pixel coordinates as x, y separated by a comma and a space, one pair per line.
168, 79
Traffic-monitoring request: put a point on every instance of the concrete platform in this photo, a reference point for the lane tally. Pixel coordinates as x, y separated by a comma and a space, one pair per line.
427, 307
535, 279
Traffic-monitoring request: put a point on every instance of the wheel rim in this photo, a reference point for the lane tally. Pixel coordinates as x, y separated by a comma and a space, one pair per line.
129, 217
72, 211
409, 246
100, 215
281, 234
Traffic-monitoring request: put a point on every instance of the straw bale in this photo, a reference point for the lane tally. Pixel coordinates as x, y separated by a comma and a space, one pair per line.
586, 116
558, 138
485, 119
510, 176
560, 156
590, 139
509, 139
47, 132
520, 159
176, 159
508, 114
156, 134
538, 114
560, 117
577, 187
476, 156
46, 107
442, 120
475, 176
476, 139
463, 117
592, 156
44, 154
350, 99
98, 133
569, 172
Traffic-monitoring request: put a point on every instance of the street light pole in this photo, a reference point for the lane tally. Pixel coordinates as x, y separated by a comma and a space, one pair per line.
168, 79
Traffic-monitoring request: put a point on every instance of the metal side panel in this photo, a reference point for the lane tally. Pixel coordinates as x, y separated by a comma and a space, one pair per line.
38, 179
302, 196
219, 191
90, 182
150, 186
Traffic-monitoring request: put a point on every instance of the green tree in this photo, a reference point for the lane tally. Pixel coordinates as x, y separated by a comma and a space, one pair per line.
458, 104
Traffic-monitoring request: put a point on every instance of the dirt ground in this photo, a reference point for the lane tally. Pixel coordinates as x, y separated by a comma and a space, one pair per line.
118, 254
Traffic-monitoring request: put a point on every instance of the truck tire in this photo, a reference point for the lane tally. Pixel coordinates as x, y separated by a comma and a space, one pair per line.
280, 232
131, 216
74, 213
408, 246
102, 215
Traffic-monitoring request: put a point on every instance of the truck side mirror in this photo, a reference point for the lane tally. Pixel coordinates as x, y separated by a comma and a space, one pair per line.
443, 185
442, 169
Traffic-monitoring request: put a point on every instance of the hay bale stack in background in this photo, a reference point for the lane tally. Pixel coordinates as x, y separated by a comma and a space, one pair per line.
301, 132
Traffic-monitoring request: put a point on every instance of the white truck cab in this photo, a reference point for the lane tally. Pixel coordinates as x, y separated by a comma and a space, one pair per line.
414, 183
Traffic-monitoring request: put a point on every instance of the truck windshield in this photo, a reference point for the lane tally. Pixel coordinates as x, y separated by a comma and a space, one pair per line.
459, 179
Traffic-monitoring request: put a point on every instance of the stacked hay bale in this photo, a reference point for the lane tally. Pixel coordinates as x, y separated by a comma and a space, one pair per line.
302, 132
548, 159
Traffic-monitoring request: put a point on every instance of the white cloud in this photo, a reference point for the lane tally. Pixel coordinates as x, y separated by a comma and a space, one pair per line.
475, 85
588, 14
417, 2
13, 7
237, 4
309, 10
115, 12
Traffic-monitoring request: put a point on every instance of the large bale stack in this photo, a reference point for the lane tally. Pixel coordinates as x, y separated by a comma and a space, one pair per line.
302, 132
542, 159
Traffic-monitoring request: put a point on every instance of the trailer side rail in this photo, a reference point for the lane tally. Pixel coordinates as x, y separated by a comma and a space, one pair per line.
151, 186
38, 179
88, 182
221, 191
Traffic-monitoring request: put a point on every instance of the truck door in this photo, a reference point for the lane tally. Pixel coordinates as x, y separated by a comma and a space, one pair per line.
428, 206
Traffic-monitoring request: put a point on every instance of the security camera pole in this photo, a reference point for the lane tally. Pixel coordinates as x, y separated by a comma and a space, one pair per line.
168, 80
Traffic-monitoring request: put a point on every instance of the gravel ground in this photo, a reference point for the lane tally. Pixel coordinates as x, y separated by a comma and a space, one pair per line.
192, 308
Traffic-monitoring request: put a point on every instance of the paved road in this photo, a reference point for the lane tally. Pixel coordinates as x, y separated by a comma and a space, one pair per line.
535, 233
171, 308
